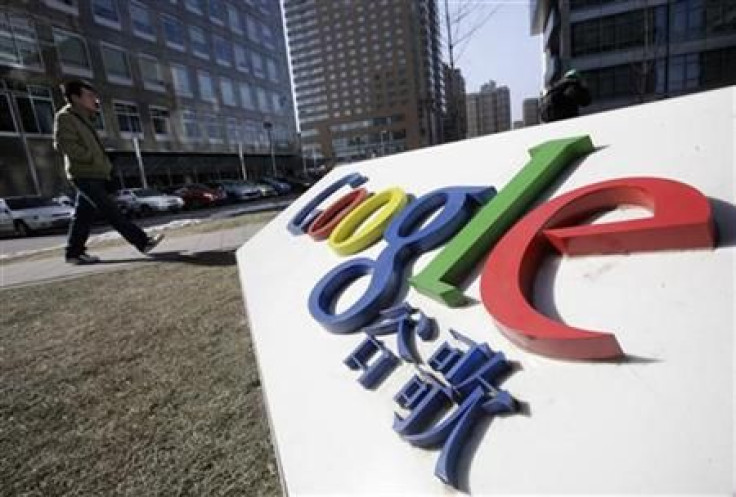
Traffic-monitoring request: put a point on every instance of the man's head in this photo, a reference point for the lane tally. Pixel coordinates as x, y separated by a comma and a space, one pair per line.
82, 95
572, 74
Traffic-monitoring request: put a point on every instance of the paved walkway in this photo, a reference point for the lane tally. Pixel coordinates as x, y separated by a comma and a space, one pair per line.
172, 248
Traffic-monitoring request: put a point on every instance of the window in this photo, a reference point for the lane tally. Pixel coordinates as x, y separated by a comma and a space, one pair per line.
273, 72
181, 79
18, 43
68, 6
161, 121
140, 17
217, 12
198, 39
223, 51
73, 53
106, 13
36, 110
228, 93
196, 6
262, 100
116, 63
276, 102
99, 121
214, 128
258, 65
153, 77
246, 97
206, 89
234, 20
241, 59
252, 31
267, 36
173, 32
684, 73
233, 131
6, 118
191, 125
129, 121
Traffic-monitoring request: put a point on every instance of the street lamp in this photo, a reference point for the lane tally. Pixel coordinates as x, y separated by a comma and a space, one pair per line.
267, 125
301, 152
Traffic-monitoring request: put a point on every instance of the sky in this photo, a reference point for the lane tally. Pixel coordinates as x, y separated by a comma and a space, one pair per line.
501, 49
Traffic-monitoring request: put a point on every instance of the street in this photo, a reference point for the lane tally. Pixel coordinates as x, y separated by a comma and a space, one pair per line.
47, 240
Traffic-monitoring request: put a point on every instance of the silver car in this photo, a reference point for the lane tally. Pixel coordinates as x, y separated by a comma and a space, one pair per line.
148, 200
33, 213
6, 219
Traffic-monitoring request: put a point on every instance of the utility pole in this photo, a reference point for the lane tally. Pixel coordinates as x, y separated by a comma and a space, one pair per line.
268, 126
242, 161
141, 167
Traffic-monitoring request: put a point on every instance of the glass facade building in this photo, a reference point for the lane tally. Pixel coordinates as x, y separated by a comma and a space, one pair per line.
193, 81
637, 51
367, 75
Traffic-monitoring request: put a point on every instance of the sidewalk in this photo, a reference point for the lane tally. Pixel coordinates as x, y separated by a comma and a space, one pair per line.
172, 248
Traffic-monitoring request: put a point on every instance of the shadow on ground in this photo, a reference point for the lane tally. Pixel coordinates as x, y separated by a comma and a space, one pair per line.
211, 258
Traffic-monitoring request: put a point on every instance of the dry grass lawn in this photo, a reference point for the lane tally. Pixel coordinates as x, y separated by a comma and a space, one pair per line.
138, 382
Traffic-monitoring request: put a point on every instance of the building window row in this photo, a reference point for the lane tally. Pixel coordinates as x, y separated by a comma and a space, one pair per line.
664, 76
685, 20
18, 43
107, 13
19, 47
75, 60
35, 111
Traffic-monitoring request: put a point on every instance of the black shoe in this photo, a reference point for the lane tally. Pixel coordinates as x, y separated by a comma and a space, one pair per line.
82, 259
152, 242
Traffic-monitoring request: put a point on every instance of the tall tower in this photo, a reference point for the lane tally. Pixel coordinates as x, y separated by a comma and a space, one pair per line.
489, 111
368, 76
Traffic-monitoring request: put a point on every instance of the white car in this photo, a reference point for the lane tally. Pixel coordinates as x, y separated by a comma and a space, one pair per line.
147, 200
6, 219
37, 213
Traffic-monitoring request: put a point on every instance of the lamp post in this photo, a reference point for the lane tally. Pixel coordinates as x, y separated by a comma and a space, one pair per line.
301, 152
268, 126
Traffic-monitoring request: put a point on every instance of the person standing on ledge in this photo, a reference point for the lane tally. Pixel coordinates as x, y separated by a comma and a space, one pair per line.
564, 98
88, 168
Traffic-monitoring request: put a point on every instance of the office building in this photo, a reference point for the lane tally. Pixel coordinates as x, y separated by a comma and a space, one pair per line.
489, 111
637, 51
190, 83
367, 75
456, 116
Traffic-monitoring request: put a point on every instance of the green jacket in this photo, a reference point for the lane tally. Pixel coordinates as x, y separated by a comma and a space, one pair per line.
75, 137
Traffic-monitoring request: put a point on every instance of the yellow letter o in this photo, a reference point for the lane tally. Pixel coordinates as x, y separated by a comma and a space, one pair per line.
346, 239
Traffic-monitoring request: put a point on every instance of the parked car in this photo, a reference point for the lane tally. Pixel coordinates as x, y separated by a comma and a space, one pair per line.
299, 182
281, 186
236, 190
196, 195
34, 213
265, 189
146, 201
6, 219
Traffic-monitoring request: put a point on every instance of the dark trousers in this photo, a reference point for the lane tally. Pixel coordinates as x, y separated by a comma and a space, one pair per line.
92, 196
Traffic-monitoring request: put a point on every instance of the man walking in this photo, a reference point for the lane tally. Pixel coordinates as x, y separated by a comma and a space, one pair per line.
88, 168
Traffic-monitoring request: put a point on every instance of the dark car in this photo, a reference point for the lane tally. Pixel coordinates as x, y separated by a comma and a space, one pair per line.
298, 182
236, 191
281, 187
196, 195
